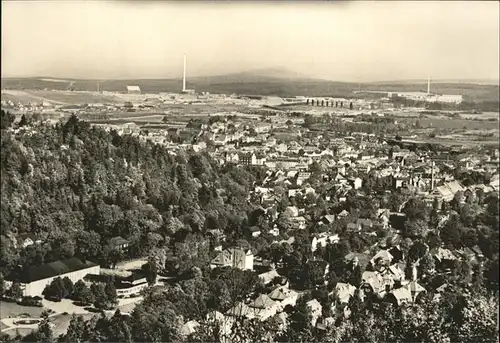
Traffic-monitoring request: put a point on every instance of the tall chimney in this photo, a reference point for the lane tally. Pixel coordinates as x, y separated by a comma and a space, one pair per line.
184, 75
429, 86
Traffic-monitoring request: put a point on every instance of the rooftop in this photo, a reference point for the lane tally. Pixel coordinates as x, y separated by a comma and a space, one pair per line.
35, 273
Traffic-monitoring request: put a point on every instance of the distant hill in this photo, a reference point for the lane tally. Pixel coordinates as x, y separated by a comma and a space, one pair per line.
275, 81
491, 82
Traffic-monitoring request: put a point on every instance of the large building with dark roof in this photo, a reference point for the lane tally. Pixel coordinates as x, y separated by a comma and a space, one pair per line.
34, 279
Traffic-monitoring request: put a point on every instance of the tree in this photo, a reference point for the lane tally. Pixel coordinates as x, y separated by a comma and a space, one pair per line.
24, 121
299, 327
417, 251
426, 265
118, 329
82, 293
111, 295
76, 330
478, 320
115, 256
6, 119
55, 290
100, 297
2, 286
68, 286
15, 290
416, 228
150, 269
450, 233
44, 331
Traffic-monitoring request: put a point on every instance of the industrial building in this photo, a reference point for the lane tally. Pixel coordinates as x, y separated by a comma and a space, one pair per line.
34, 279
133, 90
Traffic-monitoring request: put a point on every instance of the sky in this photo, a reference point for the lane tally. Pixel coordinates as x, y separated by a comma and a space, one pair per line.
343, 41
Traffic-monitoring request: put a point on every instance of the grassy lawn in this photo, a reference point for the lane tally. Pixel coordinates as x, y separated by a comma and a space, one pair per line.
13, 332
8, 309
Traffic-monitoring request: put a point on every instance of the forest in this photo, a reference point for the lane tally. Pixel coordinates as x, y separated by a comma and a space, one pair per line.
75, 187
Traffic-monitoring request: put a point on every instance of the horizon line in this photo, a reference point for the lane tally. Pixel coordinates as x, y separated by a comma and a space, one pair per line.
490, 81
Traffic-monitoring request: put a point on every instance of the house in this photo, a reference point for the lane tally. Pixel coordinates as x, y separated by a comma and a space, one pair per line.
255, 231
118, 243
327, 219
231, 157
323, 239
263, 307
365, 223
315, 309
340, 179
245, 158
375, 283
344, 291
415, 289
383, 217
292, 211
353, 227
131, 284
28, 239
284, 296
383, 257
343, 214
293, 192
356, 183
444, 257
275, 231
447, 191
268, 277
396, 272
34, 279
234, 257
240, 310
299, 222
357, 259
401, 295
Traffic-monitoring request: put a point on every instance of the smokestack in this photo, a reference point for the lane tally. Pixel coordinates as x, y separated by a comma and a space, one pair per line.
429, 86
184, 75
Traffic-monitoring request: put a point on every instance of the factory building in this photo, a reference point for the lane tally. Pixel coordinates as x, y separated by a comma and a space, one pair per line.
133, 90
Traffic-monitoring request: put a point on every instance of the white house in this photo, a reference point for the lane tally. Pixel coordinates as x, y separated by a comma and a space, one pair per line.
323, 239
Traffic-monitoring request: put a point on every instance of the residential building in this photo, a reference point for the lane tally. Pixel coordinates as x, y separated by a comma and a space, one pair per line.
234, 257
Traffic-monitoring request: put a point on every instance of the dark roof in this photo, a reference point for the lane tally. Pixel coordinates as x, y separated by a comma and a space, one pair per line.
57, 268
117, 241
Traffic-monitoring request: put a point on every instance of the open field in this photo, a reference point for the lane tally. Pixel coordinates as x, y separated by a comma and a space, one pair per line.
247, 83
8, 309
59, 97
453, 123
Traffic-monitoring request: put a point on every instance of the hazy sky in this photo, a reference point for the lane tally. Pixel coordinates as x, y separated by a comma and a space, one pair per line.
348, 41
